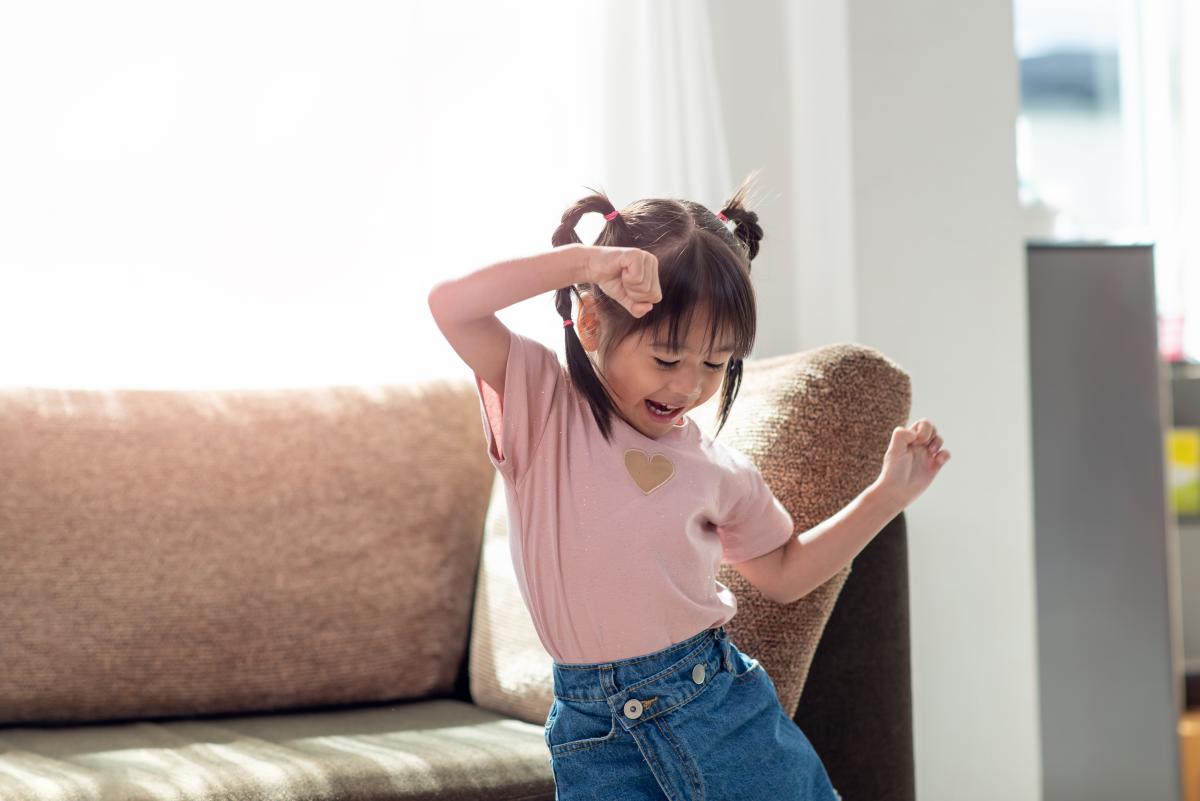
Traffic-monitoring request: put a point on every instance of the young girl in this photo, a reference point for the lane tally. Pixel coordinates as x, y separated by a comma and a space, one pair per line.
621, 510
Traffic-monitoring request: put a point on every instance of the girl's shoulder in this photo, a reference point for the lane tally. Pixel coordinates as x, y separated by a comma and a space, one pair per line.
724, 456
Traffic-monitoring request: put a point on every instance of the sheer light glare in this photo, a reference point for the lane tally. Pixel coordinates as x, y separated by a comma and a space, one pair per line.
262, 195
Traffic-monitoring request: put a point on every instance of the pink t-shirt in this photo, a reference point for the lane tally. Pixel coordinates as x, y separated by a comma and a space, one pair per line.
616, 544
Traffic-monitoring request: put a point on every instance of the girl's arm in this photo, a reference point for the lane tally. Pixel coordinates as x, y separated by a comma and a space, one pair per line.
464, 308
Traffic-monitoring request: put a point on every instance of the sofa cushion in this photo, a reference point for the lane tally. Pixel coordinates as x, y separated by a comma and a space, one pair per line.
442, 749
817, 424
184, 552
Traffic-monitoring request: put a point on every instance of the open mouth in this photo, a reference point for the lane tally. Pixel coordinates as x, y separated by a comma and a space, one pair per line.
662, 413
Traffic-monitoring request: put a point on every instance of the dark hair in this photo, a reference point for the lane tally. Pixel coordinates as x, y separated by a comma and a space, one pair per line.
700, 263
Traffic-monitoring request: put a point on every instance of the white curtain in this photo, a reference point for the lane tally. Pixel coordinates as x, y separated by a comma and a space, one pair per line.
260, 194
1161, 85
1184, 244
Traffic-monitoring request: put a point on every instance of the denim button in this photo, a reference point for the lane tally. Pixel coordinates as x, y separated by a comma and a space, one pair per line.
698, 674
633, 708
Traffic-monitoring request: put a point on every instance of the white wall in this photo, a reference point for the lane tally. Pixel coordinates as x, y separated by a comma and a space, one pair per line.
939, 263
752, 55
785, 98
899, 229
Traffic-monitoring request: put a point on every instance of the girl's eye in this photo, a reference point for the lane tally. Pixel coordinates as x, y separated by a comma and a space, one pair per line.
710, 365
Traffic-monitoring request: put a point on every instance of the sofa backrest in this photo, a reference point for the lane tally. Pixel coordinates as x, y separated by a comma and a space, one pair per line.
171, 553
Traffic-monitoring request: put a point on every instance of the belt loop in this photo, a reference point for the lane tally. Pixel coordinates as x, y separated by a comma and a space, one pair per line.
607, 684
723, 640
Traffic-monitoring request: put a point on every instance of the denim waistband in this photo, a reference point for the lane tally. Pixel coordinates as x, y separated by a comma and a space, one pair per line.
672, 671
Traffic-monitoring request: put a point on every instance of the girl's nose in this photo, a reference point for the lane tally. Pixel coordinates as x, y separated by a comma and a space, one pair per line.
683, 394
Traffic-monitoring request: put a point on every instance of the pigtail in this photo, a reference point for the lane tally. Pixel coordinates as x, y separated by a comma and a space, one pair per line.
580, 367
598, 201
746, 226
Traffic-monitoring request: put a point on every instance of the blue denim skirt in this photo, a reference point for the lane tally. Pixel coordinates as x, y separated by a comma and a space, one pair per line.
697, 721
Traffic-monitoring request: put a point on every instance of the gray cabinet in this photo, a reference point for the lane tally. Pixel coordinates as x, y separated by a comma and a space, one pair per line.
1110, 669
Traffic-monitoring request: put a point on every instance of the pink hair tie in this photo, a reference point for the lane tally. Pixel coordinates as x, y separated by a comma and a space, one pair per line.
612, 214
568, 322
721, 216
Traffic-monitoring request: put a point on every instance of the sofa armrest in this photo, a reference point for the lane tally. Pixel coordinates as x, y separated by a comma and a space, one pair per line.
857, 703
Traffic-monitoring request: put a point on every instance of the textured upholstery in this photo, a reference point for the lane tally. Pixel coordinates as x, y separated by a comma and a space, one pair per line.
173, 553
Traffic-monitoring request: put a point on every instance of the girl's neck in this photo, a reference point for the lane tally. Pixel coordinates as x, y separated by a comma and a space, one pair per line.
674, 429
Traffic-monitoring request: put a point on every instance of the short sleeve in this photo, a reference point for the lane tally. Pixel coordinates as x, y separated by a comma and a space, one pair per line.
534, 392
757, 523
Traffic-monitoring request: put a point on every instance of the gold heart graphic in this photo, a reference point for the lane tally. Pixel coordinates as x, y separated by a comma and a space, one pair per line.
650, 473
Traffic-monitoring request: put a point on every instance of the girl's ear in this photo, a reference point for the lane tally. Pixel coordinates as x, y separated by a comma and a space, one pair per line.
587, 322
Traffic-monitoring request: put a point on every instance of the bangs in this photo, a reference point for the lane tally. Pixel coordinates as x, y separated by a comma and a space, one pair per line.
703, 277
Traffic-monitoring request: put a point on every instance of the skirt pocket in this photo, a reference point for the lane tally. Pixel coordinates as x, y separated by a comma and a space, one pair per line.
576, 725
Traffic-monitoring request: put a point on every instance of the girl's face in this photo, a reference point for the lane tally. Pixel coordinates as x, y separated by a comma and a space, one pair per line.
643, 369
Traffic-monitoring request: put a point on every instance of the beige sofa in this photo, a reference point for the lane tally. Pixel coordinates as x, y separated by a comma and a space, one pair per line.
306, 594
